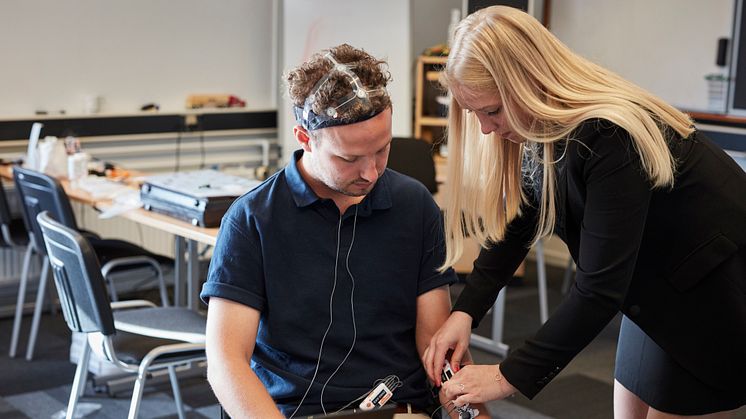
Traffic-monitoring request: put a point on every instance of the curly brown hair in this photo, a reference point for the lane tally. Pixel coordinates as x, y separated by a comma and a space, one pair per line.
371, 71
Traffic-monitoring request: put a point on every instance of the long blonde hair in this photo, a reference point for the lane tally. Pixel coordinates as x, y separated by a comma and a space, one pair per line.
547, 91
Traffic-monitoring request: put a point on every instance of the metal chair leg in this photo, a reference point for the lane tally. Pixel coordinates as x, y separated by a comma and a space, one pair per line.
161, 285
38, 306
18, 319
137, 392
79, 382
177, 393
541, 270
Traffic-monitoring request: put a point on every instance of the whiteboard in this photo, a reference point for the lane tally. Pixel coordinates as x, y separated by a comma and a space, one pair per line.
664, 46
58, 53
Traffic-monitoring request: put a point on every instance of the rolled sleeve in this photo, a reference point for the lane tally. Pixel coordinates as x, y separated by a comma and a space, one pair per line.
433, 252
236, 269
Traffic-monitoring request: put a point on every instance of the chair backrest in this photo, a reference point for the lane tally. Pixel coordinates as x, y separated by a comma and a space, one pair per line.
38, 193
5, 216
414, 158
77, 275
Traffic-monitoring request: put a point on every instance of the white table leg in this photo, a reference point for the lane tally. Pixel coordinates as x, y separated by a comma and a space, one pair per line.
494, 344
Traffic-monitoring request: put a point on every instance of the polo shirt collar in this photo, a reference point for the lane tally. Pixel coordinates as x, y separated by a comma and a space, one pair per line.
303, 195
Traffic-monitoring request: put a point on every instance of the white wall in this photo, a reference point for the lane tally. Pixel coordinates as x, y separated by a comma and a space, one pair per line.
54, 53
430, 19
665, 46
382, 28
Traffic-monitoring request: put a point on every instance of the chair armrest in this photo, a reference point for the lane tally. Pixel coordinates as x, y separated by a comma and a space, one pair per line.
124, 305
8, 237
130, 260
175, 349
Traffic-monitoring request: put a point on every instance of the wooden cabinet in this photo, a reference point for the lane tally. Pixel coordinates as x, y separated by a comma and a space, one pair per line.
429, 116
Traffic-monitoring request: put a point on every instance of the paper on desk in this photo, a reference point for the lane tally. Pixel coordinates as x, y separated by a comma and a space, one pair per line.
203, 183
102, 188
122, 203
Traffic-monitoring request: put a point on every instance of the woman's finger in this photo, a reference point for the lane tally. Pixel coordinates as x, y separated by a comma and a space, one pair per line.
453, 389
458, 354
462, 400
439, 356
427, 363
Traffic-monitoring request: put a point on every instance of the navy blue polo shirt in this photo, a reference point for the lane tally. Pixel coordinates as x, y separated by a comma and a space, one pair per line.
279, 250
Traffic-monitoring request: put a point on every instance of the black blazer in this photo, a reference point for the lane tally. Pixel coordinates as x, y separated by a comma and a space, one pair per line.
672, 259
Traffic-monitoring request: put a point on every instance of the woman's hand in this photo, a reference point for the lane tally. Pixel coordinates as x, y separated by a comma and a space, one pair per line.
453, 335
477, 384
453, 413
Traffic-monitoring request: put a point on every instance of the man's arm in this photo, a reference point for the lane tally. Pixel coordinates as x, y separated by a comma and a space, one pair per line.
231, 335
433, 309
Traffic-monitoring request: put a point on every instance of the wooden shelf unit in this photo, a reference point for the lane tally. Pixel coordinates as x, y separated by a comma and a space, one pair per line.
425, 122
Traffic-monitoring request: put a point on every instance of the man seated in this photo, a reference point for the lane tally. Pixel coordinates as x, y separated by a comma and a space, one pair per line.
325, 279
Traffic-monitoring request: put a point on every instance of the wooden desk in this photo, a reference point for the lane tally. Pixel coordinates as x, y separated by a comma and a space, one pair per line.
188, 237
164, 223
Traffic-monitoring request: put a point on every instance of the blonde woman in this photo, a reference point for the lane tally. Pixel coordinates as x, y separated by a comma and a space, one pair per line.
543, 141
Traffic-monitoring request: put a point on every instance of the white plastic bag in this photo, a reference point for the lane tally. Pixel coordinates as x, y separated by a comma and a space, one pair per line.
32, 156
52, 157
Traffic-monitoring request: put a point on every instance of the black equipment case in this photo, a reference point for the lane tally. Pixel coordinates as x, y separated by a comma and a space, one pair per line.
199, 197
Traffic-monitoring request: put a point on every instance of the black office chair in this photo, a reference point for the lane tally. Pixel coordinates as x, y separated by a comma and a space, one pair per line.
39, 192
414, 158
13, 231
15, 236
138, 337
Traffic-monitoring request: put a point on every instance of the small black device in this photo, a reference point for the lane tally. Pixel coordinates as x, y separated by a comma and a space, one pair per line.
447, 372
150, 107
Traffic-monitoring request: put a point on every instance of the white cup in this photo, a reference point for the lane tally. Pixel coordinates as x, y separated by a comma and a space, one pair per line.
77, 168
92, 104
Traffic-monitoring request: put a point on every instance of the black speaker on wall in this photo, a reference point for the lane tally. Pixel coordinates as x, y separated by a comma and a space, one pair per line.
720, 59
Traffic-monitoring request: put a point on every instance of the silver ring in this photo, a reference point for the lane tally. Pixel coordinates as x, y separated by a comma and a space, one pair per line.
461, 386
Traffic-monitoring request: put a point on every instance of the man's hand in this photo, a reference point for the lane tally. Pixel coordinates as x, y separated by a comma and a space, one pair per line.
453, 335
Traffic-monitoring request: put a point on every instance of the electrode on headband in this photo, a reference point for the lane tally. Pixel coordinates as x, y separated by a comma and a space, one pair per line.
332, 115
